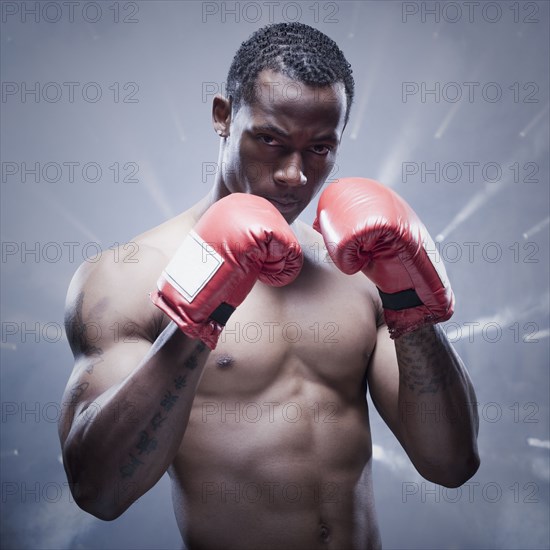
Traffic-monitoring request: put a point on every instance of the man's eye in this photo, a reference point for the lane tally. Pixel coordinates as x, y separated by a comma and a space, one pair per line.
321, 149
269, 140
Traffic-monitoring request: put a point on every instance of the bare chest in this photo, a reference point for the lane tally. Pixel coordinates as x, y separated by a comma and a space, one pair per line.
320, 329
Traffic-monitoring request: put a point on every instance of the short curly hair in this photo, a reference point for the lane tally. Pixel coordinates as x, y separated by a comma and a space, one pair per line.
296, 50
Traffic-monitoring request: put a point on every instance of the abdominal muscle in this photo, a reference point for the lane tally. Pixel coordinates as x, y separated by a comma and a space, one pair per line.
289, 469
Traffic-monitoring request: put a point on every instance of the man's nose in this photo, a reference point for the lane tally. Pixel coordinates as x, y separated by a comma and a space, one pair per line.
290, 172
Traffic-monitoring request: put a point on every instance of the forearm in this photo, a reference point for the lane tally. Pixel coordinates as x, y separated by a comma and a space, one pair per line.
437, 407
121, 445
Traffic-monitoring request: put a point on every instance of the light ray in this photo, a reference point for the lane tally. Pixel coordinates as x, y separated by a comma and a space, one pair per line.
472, 206
176, 118
483, 61
361, 108
447, 120
154, 189
8, 345
355, 18
392, 166
536, 228
11, 452
534, 121
371, 79
506, 318
72, 220
368, 86
539, 335
535, 150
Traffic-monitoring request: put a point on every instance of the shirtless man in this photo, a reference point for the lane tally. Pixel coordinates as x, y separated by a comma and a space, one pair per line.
264, 426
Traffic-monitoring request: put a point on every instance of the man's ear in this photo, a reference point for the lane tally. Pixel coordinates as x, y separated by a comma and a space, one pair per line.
221, 115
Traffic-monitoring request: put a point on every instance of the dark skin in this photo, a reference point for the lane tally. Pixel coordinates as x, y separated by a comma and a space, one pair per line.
267, 438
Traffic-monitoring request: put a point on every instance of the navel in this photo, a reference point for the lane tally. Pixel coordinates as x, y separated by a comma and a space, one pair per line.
324, 532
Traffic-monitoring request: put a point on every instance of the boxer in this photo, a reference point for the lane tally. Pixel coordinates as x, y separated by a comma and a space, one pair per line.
246, 341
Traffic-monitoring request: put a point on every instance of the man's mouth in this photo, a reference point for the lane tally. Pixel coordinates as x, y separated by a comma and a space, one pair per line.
283, 205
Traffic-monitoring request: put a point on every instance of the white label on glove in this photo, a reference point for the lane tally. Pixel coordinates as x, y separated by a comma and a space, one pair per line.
193, 265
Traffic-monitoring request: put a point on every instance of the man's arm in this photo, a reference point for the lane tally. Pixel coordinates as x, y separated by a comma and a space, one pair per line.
419, 383
128, 400
422, 390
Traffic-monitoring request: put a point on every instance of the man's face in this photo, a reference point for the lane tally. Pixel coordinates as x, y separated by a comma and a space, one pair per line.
282, 146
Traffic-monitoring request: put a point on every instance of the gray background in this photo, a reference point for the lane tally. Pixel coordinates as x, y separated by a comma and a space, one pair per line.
488, 202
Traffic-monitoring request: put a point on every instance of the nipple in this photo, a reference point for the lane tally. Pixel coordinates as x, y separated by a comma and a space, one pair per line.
224, 361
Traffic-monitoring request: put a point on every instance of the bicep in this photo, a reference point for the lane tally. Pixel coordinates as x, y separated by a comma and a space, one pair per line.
111, 326
383, 379
94, 374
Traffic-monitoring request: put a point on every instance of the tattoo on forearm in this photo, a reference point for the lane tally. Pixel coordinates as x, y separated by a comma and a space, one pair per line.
157, 420
423, 382
423, 363
147, 443
168, 400
192, 361
180, 382
200, 347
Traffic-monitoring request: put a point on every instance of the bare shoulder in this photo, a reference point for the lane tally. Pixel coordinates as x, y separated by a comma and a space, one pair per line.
110, 293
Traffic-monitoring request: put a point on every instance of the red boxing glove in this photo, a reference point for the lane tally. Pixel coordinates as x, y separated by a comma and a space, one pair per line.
239, 239
368, 227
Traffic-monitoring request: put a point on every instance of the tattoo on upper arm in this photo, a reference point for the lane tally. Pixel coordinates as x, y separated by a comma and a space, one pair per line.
77, 391
128, 469
146, 443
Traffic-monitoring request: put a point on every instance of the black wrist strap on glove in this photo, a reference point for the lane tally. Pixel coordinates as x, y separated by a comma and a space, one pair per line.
222, 313
400, 300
